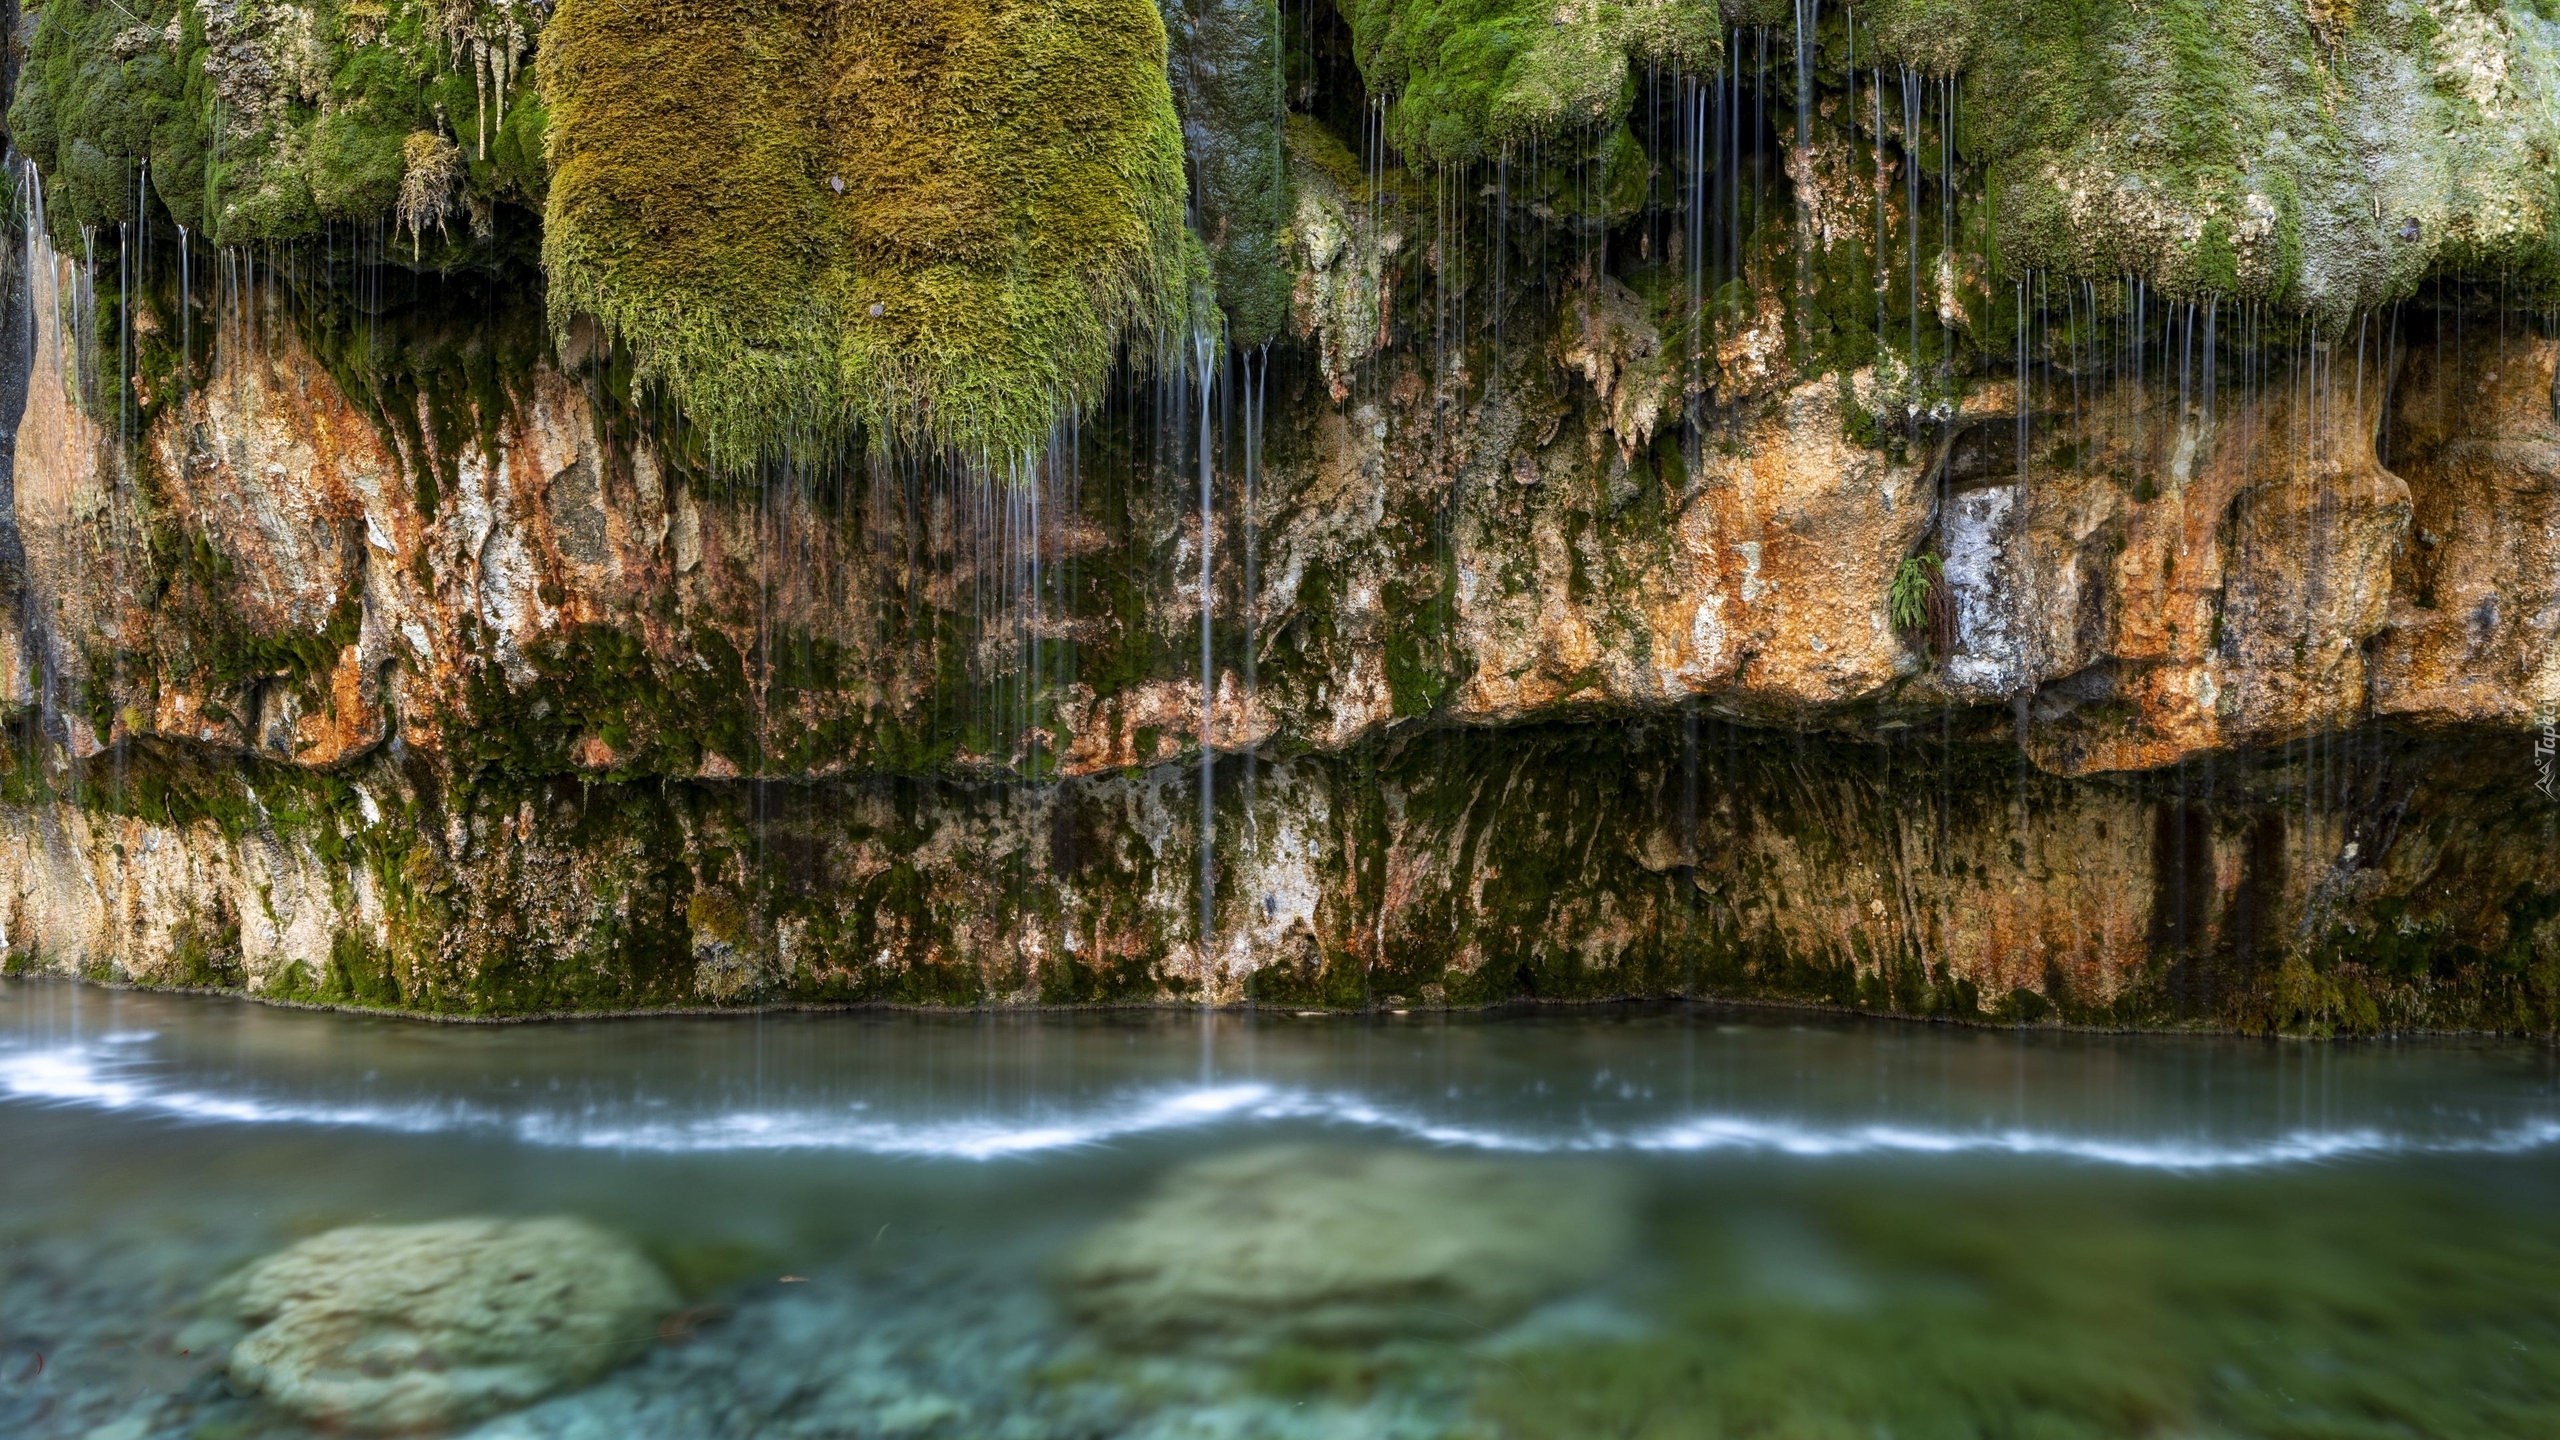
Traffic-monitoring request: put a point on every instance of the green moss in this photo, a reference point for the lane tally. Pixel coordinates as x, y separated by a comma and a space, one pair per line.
2212, 150
2240, 150
1467, 77
2368, 973
360, 973
214, 651
272, 121
936, 222
205, 952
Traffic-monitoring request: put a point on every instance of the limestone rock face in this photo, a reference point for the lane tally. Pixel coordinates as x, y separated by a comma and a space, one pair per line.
391, 1328
382, 637
401, 727
2227, 602
1333, 1245
2474, 625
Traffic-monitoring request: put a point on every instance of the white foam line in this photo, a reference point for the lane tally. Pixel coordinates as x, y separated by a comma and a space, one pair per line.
1707, 1133
986, 1138
86, 1076
2294, 1147
73, 1076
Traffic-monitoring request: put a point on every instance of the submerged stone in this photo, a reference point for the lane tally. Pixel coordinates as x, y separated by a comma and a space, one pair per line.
1336, 1245
413, 1327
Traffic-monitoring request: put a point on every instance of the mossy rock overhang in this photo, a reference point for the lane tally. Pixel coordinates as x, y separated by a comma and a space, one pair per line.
1467, 77
2324, 156
285, 121
936, 221
1010, 221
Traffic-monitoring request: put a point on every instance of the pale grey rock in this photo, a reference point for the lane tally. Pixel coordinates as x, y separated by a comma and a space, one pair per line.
1321, 1244
1977, 535
414, 1327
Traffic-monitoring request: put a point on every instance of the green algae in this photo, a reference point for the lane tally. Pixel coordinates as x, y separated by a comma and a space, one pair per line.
2119, 1304
503, 893
938, 224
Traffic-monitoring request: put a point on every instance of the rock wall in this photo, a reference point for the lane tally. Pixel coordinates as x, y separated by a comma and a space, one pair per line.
1565, 604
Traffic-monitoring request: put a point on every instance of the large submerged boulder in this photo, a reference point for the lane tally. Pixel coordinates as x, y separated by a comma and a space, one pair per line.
416, 1327
1336, 1245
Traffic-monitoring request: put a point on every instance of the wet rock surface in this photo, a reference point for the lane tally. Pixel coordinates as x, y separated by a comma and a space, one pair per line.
391, 646
1341, 1245
421, 1327
952, 1351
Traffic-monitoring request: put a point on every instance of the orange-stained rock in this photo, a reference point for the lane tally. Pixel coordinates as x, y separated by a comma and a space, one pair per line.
2474, 630
1464, 626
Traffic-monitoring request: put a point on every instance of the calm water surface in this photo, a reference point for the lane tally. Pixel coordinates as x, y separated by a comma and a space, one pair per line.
1646, 1222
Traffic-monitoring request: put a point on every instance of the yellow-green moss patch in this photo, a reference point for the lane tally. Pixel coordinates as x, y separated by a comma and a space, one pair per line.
937, 220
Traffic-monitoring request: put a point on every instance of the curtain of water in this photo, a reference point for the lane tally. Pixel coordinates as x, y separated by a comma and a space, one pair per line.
943, 527
1206, 372
58, 322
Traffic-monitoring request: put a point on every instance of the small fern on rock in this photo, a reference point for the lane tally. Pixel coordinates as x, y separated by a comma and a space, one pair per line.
1917, 604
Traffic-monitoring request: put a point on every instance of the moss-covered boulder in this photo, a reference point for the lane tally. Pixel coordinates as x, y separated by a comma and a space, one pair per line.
2326, 156
939, 222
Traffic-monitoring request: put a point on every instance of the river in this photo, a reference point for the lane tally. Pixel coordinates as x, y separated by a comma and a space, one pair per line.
1646, 1221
